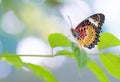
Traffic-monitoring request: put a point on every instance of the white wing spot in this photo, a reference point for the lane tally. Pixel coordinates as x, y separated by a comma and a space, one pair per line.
94, 22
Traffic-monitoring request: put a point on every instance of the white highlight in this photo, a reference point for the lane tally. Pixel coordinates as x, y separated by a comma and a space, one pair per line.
34, 46
11, 24
111, 10
77, 10
94, 22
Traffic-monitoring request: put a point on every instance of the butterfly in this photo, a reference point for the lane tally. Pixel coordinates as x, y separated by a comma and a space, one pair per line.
88, 31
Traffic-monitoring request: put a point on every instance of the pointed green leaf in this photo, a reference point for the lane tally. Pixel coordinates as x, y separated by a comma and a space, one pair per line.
99, 73
65, 53
112, 63
80, 56
108, 40
41, 72
57, 39
13, 59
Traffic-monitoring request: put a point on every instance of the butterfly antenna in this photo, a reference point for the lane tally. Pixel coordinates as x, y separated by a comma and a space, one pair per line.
70, 22
70, 25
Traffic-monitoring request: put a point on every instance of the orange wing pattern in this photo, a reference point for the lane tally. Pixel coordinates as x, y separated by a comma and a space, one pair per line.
87, 32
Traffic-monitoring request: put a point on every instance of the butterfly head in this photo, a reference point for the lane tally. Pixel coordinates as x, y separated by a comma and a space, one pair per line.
74, 33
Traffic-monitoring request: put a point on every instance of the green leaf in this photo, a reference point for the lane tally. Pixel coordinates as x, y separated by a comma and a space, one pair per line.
13, 59
112, 63
57, 39
108, 40
99, 73
65, 53
41, 72
80, 56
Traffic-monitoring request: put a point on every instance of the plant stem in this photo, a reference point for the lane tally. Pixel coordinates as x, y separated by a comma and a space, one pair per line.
30, 55
37, 55
48, 55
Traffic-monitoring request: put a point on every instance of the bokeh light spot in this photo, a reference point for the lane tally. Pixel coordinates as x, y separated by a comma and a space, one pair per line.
11, 24
34, 46
5, 69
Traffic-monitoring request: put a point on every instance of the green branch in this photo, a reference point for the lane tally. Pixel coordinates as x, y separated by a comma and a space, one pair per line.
29, 55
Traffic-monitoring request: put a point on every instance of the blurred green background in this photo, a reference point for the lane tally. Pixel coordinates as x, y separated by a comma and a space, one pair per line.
26, 24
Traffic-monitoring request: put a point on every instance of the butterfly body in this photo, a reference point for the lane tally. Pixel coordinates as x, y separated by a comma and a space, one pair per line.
87, 32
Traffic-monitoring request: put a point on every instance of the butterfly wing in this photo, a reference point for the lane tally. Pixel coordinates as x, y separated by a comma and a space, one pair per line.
88, 30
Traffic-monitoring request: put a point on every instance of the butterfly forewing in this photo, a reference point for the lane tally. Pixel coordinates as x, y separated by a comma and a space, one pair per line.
87, 32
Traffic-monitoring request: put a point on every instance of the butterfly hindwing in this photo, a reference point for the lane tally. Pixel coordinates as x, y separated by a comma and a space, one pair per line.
87, 32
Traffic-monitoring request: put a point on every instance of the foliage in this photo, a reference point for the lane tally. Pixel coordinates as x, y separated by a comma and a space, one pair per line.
97, 71
108, 40
80, 56
110, 61
39, 71
58, 39
13, 59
